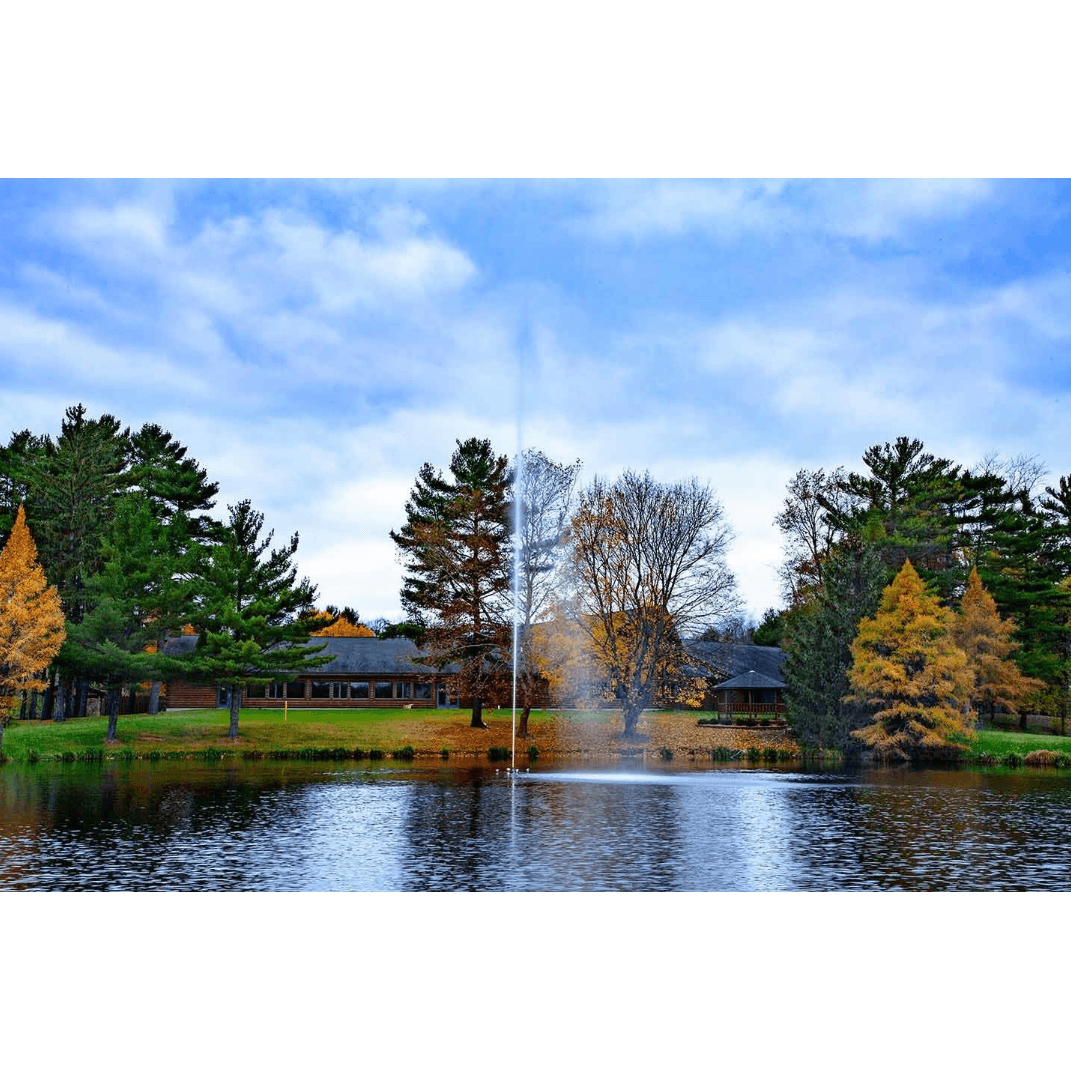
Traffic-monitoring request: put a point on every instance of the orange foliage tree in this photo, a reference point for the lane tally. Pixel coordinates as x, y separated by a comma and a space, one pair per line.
340, 626
909, 673
987, 642
31, 621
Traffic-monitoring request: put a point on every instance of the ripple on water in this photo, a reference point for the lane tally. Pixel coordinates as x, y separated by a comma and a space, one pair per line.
283, 827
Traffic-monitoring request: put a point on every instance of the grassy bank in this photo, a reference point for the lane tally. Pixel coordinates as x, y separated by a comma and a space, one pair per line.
997, 747
556, 734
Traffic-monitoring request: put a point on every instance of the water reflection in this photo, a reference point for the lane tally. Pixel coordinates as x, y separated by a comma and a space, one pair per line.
361, 827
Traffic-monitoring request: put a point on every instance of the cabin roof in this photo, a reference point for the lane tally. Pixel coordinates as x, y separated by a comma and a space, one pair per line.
751, 679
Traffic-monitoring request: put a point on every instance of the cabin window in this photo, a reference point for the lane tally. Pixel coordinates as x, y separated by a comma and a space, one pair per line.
384, 690
405, 690
295, 689
256, 691
321, 689
338, 689
422, 691
277, 690
358, 689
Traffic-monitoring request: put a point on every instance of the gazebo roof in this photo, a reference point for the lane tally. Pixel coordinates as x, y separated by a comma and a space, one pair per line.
751, 679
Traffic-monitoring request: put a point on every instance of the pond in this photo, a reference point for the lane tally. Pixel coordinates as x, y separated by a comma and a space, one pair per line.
353, 826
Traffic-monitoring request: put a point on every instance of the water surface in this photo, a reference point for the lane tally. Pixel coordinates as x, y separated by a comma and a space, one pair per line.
356, 826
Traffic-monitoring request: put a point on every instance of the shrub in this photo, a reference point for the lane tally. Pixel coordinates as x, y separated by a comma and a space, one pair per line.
68, 756
1013, 760
769, 754
498, 754
153, 756
1041, 758
1063, 760
533, 753
444, 754
985, 758
212, 754
665, 754
784, 755
724, 754
707, 721
375, 753
404, 753
753, 754
127, 754
32, 755
358, 754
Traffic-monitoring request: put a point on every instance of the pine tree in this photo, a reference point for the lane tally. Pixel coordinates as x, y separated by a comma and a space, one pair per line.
909, 674
455, 549
31, 621
126, 600
818, 641
987, 642
252, 616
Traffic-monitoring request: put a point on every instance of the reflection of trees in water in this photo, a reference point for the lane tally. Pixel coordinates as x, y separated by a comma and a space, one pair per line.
477, 830
131, 826
931, 829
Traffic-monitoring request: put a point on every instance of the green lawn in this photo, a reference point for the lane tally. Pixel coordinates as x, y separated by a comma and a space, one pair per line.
1000, 743
260, 729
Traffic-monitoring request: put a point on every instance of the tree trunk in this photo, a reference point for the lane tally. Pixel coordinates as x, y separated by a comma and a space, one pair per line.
477, 715
1022, 721
632, 716
33, 706
59, 703
236, 705
49, 700
114, 700
83, 697
154, 698
522, 729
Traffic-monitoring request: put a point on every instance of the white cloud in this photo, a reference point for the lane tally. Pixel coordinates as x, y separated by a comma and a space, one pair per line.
871, 210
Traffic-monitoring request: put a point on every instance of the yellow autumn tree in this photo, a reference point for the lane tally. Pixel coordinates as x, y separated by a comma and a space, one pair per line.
909, 673
31, 621
987, 642
341, 627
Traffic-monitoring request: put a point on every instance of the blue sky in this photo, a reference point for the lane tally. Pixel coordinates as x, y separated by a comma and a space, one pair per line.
313, 343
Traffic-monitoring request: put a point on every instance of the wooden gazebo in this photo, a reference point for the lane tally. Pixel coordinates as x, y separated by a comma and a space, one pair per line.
750, 693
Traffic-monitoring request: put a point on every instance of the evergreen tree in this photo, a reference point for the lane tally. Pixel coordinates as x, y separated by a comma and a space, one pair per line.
910, 504
31, 621
179, 495
909, 674
20, 461
116, 641
249, 617
1024, 571
818, 641
455, 548
987, 642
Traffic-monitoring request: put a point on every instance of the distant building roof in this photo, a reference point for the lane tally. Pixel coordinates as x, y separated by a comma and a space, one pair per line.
714, 658
351, 656
751, 679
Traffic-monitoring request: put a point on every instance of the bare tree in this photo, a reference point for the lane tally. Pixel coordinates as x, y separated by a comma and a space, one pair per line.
546, 493
806, 530
648, 561
1021, 472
